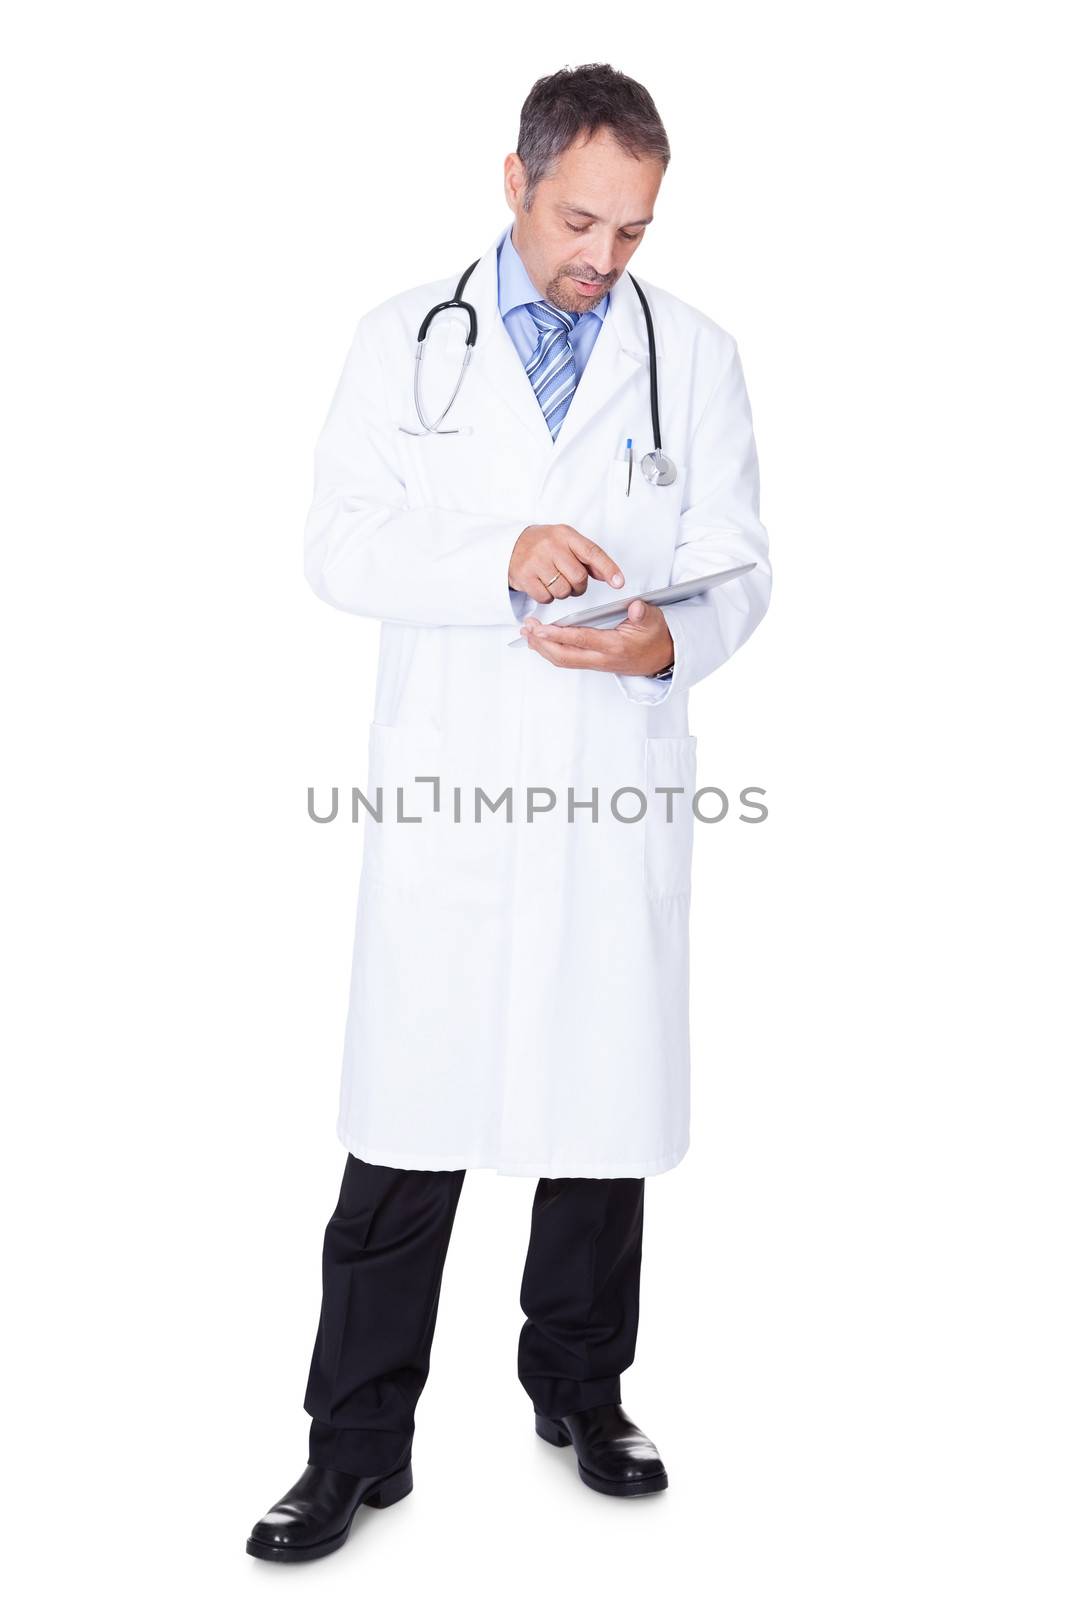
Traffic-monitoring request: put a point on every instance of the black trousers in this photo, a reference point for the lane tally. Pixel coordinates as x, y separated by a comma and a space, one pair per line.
382, 1261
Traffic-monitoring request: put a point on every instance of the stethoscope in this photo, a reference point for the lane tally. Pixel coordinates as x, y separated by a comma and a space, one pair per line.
657, 466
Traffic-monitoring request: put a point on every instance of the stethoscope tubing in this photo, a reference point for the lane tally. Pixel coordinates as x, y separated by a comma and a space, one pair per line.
662, 470
653, 364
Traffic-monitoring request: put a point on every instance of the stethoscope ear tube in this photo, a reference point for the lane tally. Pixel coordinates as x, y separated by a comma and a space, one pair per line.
459, 304
435, 427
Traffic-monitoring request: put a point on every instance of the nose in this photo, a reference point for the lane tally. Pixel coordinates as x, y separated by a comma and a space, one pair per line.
600, 257
600, 261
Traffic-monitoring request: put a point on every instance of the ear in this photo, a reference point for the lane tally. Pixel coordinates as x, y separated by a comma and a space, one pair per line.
514, 181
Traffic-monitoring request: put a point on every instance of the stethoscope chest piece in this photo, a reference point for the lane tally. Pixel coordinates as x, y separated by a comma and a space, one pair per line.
658, 468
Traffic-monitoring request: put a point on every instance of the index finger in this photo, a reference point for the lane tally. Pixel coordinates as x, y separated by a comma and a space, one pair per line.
598, 561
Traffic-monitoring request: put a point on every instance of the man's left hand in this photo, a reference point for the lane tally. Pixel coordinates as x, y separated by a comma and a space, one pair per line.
640, 646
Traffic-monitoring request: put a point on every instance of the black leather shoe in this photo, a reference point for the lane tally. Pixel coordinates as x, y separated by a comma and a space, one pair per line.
614, 1456
314, 1517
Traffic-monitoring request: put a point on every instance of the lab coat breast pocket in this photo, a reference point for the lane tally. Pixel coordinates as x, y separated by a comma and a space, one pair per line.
399, 852
670, 765
640, 529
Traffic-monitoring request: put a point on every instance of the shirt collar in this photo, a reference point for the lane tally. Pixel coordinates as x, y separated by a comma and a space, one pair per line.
513, 281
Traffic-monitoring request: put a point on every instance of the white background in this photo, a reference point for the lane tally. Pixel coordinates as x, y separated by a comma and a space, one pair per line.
853, 1317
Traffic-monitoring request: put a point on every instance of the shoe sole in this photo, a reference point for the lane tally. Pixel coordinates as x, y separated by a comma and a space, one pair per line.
385, 1493
555, 1433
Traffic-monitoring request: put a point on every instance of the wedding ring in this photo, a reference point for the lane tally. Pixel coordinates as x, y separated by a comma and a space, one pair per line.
548, 582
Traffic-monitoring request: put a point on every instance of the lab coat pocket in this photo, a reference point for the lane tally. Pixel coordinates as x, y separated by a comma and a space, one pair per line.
402, 842
670, 783
640, 530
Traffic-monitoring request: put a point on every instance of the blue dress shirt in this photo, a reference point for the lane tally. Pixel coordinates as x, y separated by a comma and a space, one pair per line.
515, 292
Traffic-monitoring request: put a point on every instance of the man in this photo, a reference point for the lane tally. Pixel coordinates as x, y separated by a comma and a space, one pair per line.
519, 984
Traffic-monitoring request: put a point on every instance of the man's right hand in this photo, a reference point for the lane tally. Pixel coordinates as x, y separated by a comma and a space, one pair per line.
563, 556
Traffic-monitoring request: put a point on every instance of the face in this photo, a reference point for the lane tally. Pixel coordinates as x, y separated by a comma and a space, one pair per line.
586, 220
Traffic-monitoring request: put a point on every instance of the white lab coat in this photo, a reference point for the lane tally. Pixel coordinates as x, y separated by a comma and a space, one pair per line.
519, 992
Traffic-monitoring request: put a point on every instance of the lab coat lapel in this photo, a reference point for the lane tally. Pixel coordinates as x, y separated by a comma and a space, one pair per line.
496, 363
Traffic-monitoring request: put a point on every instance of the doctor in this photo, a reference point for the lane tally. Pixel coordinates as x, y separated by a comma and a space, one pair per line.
519, 994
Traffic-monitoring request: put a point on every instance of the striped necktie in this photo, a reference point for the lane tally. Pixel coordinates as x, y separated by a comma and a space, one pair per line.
551, 368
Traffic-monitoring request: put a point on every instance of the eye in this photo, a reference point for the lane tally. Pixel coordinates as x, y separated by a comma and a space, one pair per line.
629, 237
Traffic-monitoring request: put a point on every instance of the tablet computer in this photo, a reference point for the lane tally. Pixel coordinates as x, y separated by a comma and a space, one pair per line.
604, 616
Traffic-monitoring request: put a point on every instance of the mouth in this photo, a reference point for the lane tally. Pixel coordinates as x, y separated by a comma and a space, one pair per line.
588, 288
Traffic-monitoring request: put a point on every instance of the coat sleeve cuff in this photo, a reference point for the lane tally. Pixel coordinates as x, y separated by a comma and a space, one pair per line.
644, 691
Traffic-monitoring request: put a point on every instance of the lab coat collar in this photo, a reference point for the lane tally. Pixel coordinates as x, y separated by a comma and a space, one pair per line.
619, 353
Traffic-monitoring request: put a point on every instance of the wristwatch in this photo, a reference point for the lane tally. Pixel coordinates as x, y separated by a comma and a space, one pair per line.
666, 672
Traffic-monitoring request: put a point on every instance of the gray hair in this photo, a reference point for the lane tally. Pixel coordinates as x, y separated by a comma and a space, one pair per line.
577, 100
